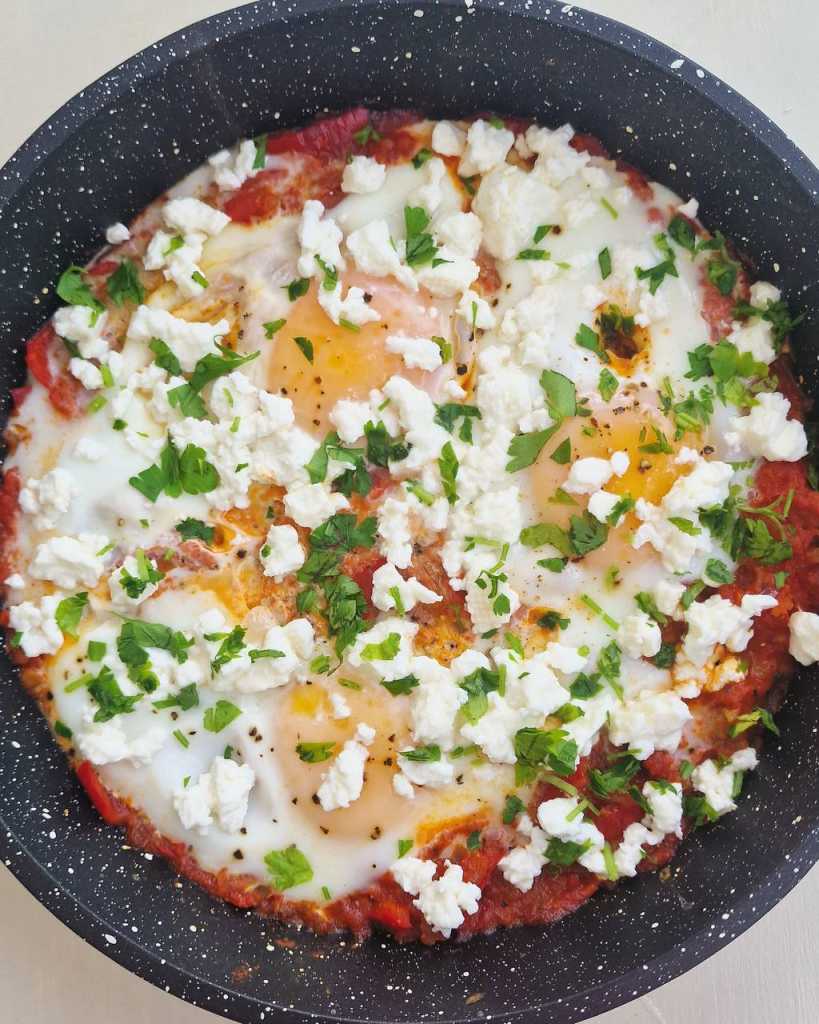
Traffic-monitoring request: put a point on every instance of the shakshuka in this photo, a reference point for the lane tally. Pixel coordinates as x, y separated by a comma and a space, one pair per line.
411, 525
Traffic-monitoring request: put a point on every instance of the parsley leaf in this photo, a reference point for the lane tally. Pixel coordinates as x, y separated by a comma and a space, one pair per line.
524, 449
220, 715
448, 414
448, 465
124, 284
69, 612
288, 867
190, 529
72, 289
421, 248
315, 753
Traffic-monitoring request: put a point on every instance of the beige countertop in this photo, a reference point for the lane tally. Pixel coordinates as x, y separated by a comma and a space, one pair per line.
50, 49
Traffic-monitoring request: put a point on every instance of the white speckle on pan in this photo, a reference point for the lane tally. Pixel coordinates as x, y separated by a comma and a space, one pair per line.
677, 64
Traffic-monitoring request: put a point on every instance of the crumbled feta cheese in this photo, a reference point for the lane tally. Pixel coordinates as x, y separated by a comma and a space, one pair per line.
15, 581
85, 327
120, 598
310, 504
37, 626
602, 504
444, 901
353, 307
433, 774
349, 418
523, 864
70, 562
667, 596
719, 621
639, 635
106, 742
448, 139
319, 237
363, 653
372, 249
416, 413
281, 552
494, 732
717, 784
561, 819
394, 531
86, 373
755, 336
232, 169
188, 340
689, 209
343, 781
48, 498
461, 232
652, 721
294, 642
511, 204
219, 795
665, 801
116, 234
402, 786
189, 215
420, 353
362, 175
339, 708
475, 311
804, 632
767, 432
630, 851
392, 593
452, 276
434, 703
589, 475
429, 195
486, 147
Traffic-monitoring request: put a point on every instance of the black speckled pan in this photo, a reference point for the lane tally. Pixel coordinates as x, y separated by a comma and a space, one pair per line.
135, 132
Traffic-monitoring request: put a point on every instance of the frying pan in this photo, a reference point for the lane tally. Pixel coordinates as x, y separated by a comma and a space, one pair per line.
137, 130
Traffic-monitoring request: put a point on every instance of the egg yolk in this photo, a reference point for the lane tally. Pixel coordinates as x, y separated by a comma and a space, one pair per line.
346, 363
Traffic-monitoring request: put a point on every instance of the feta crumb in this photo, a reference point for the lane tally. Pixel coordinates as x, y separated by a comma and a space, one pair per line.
310, 504
444, 901
320, 239
232, 169
85, 327
767, 432
388, 584
86, 373
652, 721
343, 781
719, 621
48, 499
37, 626
362, 175
665, 801
639, 635
804, 632
372, 249
448, 139
589, 475
70, 562
117, 233
121, 600
281, 552
188, 340
219, 795
189, 215
339, 708
420, 353
717, 784
486, 148
602, 504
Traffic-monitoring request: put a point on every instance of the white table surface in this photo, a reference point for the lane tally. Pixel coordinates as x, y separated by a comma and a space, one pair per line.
50, 49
